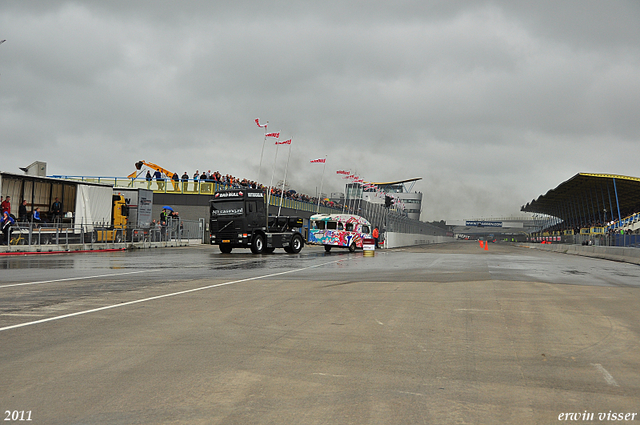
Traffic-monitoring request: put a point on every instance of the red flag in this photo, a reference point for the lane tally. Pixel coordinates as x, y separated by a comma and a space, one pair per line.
321, 160
276, 135
286, 142
258, 122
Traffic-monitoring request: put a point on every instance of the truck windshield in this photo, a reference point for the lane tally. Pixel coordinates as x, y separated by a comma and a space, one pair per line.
227, 208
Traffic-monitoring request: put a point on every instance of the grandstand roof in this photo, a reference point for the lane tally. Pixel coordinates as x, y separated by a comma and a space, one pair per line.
397, 182
585, 196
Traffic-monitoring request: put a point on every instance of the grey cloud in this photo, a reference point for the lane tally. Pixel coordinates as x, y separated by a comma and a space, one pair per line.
492, 103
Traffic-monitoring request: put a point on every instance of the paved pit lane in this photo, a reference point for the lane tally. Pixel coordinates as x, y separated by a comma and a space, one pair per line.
433, 334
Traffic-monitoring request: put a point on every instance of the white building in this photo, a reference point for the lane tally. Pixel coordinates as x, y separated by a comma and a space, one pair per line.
406, 200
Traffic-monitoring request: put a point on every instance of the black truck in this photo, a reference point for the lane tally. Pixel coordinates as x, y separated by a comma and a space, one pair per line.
238, 219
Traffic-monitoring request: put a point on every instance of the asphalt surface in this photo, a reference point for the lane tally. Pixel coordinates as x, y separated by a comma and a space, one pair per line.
439, 334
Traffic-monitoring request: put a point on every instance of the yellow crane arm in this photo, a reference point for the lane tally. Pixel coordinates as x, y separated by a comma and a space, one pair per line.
151, 165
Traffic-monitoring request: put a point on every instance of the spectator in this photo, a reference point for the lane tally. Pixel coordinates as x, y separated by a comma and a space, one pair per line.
176, 182
23, 214
6, 205
196, 176
185, 182
37, 220
152, 231
56, 209
159, 180
149, 179
7, 222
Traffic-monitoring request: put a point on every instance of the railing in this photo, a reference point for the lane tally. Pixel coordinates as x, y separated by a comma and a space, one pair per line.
98, 235
195, 187
625, 222
376, 214
608, 239
392, 221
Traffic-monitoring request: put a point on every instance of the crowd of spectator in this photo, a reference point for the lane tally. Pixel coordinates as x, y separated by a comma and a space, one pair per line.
227, 181
610, 226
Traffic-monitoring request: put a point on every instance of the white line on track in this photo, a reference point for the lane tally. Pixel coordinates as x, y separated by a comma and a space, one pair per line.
606, 374
329, 374
235, 263
74, 278
173, 294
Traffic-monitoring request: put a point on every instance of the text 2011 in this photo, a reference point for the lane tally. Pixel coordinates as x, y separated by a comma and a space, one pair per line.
17, 415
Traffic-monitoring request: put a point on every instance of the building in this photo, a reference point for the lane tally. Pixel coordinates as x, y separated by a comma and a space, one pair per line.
405, 199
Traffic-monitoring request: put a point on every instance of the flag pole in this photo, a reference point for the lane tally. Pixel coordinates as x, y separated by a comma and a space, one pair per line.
345, 200
262, 153
285, 179
321, 182
348, 200
352, 204
346, 194
270, 183
360, 196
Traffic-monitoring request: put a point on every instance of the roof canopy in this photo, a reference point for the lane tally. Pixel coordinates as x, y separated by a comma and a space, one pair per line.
589, 198
398, 182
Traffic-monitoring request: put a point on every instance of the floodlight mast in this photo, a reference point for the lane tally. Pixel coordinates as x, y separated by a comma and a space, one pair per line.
2, 41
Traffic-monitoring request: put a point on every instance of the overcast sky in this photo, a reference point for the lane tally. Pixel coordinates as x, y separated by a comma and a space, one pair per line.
492, 103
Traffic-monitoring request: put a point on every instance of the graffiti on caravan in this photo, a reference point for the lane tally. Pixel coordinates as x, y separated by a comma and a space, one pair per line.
481, 223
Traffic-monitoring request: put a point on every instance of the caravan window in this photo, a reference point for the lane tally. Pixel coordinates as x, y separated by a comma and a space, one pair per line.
319, 225
365, 229
340, 226
332, 225
349, 227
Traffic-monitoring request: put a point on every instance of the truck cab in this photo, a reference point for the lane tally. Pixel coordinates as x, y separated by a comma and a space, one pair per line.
238, 219
119, 218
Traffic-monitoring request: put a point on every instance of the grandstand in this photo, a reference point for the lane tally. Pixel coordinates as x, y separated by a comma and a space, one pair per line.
601, 209
192, 201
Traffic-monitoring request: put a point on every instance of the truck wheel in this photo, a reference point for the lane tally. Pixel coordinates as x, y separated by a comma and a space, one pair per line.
327, 248
225, 249
257, 246
352, 247
296, 244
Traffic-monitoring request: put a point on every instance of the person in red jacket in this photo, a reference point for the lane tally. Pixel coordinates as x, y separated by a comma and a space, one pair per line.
376, 236
6, 205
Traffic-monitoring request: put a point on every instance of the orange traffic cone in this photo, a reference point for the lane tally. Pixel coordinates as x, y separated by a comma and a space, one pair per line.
481, 244
486, 246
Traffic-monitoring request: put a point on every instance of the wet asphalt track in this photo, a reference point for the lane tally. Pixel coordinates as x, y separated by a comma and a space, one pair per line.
434, 334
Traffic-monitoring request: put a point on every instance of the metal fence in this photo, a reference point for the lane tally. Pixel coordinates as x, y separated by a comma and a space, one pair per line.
609, 239
626, 239
392, 221
197, 187
97, 234
386, 219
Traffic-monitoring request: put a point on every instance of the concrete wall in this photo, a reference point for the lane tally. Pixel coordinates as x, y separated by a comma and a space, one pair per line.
395, 240
615, 253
